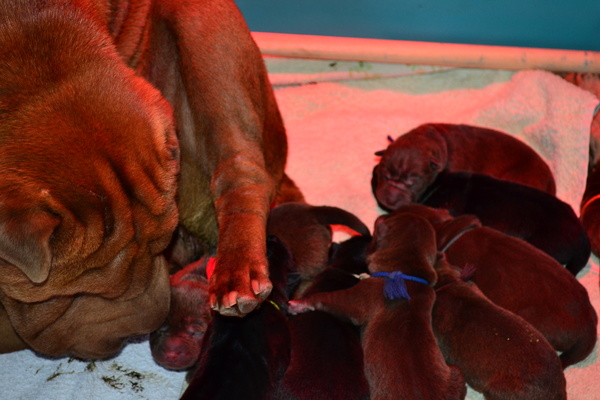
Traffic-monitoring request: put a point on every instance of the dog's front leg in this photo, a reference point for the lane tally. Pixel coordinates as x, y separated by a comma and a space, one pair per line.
240, 279
233, 144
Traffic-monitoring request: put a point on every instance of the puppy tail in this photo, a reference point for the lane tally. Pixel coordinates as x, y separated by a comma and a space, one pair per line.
329, 215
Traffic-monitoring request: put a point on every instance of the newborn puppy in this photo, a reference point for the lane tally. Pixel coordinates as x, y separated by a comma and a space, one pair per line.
306, 230
402, 359
500, 354
411, 163
520, 278
176, 344
246, 358
530, 214
327, 357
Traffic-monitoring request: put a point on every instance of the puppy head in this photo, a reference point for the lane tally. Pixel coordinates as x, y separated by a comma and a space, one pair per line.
178, 342
407, 167
405, 242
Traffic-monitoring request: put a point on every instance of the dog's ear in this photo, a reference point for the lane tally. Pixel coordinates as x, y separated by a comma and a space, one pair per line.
379, 153
25, 242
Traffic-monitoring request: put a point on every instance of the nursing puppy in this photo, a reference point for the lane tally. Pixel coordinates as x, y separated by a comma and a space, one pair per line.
413, 366
327, 358
246, 358
532, 284
530, 214
119, 120
176, 344
500, 354
411, 163
306, 231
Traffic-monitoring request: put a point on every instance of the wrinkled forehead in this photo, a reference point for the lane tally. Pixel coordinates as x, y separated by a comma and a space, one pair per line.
404, 158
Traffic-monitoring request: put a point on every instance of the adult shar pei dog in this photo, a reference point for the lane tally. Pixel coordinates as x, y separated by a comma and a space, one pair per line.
119, 120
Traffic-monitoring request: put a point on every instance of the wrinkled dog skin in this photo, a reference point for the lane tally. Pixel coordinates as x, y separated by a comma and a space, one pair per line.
411, 163
119, 121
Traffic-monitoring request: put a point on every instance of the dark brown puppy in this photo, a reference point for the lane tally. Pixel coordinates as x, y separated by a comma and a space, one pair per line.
176, 344
402, 358
92, 95
246, 358
306, 231
411, 163
527, 213
500, 354
520, 278
327, 357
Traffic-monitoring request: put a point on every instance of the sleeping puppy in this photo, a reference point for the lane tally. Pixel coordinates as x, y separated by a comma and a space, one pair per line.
500, 354
520, 278
402, 358
530, 214
327, 358
176, 344
246, 358
119, 120
411, 163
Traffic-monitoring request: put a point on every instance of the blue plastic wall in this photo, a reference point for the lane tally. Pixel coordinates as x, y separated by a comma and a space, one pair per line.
573, 25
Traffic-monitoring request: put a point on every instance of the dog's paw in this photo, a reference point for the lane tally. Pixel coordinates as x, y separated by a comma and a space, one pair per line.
298, 307
239, 290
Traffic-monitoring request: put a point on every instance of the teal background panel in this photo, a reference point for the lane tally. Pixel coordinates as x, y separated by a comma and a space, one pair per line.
555, 24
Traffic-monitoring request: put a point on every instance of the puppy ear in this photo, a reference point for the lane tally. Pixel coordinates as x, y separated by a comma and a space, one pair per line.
435, 165
25, 242
379, 153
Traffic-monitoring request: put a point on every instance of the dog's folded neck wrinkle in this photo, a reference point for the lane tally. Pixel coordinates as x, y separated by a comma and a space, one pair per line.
109, 221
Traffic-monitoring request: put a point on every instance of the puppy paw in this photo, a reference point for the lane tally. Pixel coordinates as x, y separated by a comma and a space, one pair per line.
238, 290
298, 307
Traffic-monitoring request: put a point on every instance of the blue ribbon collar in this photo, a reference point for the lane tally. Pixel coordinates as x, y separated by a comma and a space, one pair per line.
394, 286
